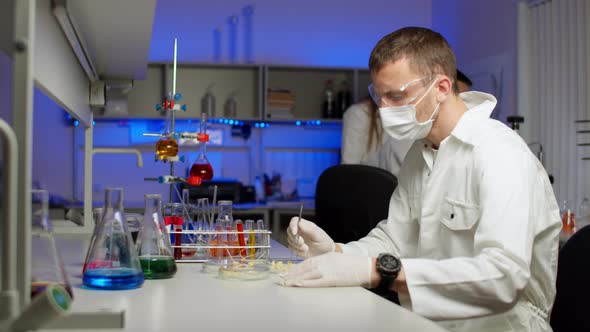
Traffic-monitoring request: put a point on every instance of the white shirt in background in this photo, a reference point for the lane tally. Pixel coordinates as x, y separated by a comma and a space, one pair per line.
388, 155
477, 230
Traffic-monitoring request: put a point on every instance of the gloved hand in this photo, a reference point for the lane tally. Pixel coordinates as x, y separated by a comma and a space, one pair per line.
306, 239
331, 269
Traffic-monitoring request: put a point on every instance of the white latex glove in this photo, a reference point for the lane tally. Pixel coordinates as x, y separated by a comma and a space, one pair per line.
306, 239
328, 270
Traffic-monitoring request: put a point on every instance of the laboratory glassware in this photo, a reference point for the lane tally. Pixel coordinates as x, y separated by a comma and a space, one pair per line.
583, 213
201, 169
153, 242
167, 145
112, 262
208, 102
568, 220
47, 266
97, 217
173, 218
248, 13
201, 225
232, 39
188, 225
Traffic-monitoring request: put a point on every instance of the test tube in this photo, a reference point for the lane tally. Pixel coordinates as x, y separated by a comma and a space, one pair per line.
251, 238
263, 240
241, 239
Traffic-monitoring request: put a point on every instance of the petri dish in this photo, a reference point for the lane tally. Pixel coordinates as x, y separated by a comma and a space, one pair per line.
281, 265
244, 271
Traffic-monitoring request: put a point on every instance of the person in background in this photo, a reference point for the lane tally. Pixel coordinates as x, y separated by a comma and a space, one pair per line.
363, 141
463, 82
471, 238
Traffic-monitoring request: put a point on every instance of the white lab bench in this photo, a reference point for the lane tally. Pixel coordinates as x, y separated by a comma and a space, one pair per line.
193, 300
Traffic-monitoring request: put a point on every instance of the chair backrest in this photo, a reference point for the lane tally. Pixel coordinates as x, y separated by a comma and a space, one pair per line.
570, 310
351, 199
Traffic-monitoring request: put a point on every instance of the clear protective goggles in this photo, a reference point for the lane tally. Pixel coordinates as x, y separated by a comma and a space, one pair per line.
400, 96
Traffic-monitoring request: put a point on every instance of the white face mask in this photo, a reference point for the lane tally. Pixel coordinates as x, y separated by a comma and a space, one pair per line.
400, 121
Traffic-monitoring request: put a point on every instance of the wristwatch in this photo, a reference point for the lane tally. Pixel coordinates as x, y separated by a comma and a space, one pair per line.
388, 267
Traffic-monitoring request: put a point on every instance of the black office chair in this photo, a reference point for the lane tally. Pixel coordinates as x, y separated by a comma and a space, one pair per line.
351, 199
570, 310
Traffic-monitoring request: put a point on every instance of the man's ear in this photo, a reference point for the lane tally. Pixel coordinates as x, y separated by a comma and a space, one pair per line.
444, 88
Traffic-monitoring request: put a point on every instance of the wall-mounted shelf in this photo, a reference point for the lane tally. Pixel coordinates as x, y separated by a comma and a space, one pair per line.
251, 82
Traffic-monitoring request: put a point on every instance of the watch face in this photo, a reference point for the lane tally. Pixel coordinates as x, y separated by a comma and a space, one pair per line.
389, 262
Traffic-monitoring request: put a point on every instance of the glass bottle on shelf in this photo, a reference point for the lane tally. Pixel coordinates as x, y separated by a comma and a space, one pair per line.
329, 107
583, 213
568, 219
47, 266
343, 99
112, 261
153, 242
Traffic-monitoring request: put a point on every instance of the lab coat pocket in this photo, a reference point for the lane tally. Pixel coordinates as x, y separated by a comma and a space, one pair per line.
458, 215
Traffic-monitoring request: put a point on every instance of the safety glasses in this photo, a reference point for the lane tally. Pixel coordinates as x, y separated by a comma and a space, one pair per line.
400, 96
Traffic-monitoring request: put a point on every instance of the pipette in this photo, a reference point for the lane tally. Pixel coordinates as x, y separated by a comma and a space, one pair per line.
298, 222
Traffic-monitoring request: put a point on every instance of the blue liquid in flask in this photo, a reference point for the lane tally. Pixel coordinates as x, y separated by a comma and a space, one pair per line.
113, 278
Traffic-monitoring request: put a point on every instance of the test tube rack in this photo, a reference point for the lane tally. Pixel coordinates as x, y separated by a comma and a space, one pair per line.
202, 249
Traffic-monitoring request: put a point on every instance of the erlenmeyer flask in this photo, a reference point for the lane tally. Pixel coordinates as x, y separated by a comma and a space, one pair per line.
153, 242
225, 215
112, 262
97, 217
47, 266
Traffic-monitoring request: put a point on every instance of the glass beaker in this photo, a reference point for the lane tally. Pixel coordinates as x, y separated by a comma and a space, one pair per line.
153, 242
112, 261
47, 267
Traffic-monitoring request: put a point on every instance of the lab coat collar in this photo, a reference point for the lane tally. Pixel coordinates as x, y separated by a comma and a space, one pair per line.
479, 106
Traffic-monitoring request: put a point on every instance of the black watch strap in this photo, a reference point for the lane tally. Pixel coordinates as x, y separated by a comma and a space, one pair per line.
386, 283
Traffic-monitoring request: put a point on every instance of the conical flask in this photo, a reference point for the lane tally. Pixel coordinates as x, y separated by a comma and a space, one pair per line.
153, 242
47, 266
97, 217
112, 261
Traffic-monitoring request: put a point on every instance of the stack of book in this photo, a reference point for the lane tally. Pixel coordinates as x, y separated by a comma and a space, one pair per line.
280, 104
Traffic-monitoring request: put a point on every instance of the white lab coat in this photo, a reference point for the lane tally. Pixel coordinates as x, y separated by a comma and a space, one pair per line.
388, 155
476, 224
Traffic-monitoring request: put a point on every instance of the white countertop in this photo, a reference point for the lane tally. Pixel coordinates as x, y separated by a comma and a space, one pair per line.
193, 300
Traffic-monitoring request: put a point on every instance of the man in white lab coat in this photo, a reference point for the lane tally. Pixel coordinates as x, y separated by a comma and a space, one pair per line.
471, 239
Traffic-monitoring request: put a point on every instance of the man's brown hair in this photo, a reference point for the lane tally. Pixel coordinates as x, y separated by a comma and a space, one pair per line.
428, 52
